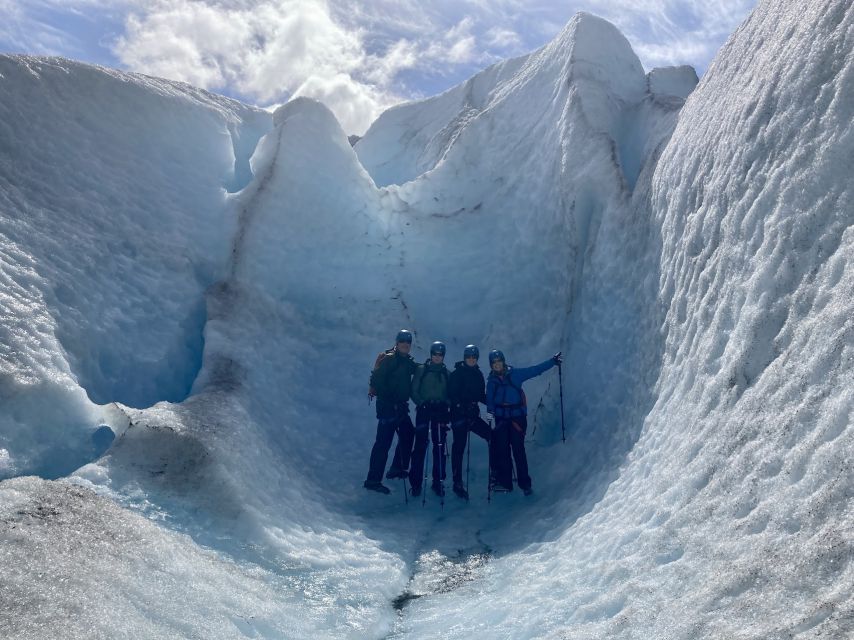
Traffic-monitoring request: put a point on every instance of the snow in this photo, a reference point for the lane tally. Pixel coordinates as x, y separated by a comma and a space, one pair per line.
113, 185
408, 140
690, 252
678, 82
161, 584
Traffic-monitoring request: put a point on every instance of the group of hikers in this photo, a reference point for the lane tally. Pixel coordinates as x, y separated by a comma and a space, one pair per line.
448, 401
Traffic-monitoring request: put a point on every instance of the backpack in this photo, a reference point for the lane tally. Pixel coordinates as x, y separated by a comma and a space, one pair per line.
389, 353
421, 379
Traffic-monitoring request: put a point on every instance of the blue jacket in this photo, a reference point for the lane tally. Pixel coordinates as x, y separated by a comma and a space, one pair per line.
504, 395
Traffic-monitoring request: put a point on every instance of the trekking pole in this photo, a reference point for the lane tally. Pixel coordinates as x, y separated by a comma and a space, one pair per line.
440, 460
468, 461
443, 444
489, 458
441, 473
562, 419
405, 497
426, 467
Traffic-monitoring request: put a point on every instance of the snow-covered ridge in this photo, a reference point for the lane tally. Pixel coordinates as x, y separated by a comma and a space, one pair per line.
695, 267
590, 55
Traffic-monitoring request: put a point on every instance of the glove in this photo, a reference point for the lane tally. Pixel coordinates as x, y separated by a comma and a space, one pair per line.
558, 358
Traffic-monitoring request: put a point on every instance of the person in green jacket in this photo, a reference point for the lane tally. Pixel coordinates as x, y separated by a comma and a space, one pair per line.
391, 384
430, 395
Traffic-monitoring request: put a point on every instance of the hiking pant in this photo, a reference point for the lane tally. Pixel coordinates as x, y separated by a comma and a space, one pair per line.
434, 417
461, 431
509, 436
386, 428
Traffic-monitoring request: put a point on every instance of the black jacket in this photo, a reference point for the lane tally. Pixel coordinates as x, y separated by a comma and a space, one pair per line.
466, 387
392, 380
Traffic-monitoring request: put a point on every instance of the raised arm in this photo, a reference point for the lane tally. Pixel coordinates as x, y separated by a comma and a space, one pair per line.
526, 373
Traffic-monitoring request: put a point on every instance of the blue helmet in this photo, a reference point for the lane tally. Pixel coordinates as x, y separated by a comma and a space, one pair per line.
404, 335
471, 351
437, 348
494, 355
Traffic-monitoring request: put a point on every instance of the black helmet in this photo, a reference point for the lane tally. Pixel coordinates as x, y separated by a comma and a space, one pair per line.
437, 348
471, 351
494, 355
404, 335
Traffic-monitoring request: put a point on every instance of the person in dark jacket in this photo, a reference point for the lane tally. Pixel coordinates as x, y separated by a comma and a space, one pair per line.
430, 395
466, 388
506, 401
391, 384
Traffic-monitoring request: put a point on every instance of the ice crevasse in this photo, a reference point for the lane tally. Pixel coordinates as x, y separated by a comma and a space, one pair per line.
213, 282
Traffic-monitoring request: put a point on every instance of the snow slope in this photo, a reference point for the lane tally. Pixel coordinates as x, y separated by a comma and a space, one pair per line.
410, 139
694, 265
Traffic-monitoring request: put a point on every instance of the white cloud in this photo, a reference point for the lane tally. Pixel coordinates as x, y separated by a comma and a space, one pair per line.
502, 38
355, 104
21, 35
268, 50
461, 49
359, 57
383, 69
666, 32
264, 50
678, 51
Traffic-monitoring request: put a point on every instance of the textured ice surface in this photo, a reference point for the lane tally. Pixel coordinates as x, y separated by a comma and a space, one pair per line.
111, 182
106, 572
111, 185
673, 81
695, 266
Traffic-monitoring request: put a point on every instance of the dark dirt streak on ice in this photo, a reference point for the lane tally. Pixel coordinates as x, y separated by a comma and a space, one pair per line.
225, 373
466, 564
246, 212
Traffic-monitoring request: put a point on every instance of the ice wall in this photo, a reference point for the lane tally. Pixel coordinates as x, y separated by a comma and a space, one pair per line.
112, 225
700, 285
731, 516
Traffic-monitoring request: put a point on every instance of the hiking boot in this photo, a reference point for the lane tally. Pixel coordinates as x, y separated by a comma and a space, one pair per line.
527, 491
415, 491
379, 487
395, 474
461, 491
500, 488
438, 489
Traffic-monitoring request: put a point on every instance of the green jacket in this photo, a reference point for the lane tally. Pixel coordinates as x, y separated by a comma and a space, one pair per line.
430, 383
392, 378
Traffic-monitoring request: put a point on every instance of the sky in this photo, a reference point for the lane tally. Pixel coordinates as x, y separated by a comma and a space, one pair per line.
357, 57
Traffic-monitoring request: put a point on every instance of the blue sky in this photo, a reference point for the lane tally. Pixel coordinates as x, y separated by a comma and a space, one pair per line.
358, 57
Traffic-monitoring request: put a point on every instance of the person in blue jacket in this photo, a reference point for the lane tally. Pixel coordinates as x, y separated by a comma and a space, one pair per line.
505, 400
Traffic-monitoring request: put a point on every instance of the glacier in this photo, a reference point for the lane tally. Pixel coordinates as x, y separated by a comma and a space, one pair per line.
210, 283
